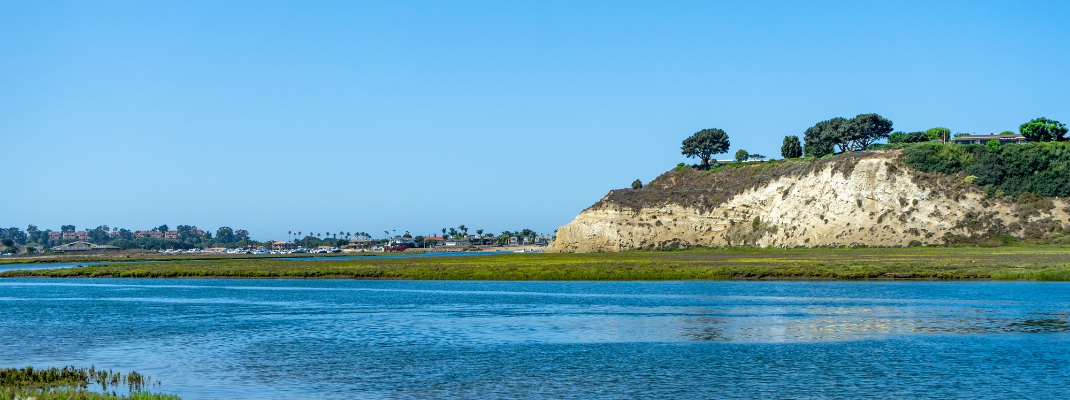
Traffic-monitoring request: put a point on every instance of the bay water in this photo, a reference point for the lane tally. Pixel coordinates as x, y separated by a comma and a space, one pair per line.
229, 338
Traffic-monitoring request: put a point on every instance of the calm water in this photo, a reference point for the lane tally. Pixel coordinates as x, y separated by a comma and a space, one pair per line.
209, 338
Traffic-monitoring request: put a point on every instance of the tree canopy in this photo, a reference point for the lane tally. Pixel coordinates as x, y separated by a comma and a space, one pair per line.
791, 147
742, 155
848, 134
704, 144
820, 140
864, 130
938, 133
1043, 130
912, 137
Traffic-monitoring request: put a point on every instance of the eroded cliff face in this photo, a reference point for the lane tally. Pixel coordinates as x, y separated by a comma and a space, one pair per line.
869, 199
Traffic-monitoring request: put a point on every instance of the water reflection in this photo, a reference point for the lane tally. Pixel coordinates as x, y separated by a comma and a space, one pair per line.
863, 323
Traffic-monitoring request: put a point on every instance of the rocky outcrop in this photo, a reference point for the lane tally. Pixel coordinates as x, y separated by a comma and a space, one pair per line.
860, 199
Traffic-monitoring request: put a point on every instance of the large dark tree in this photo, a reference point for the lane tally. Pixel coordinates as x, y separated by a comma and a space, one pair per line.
821, 139
849, 135
704, 144
791, 147
864, 130
225, 234
1043, 130
98, 234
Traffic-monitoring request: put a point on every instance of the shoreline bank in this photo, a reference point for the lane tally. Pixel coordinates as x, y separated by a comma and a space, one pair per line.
1040, 263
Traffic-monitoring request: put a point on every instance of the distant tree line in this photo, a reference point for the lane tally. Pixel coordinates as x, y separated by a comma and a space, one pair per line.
822, 139
844, 135
186, 237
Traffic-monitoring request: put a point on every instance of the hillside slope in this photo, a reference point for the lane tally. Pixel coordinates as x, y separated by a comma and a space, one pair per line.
857, 199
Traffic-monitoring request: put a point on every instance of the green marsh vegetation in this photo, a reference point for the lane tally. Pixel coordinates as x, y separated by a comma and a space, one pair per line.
1040, 263
154, 256
73, 383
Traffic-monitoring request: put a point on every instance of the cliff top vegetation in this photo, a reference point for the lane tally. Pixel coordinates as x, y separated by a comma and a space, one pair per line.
1002, 173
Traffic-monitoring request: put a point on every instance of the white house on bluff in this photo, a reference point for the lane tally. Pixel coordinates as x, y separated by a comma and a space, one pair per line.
982, 139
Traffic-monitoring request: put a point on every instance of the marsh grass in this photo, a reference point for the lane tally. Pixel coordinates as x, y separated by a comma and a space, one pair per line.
73, 383
154, 256
1041, 263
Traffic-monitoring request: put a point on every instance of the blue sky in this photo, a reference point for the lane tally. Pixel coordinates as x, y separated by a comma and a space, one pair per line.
373, 116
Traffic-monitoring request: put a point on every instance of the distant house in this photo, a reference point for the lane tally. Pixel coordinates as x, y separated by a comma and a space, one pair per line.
455, 242
282, 245
82, 246
80, 235
983, 139
163, 235
403, 241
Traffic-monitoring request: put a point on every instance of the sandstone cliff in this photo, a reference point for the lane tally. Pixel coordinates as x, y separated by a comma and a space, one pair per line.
860, 199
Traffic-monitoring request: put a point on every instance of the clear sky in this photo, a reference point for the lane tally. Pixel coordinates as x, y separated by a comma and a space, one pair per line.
390, 115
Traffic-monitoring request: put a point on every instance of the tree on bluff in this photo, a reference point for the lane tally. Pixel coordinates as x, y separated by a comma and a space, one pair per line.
938, 133
742, 155
820, 140
1043, 130
704, 144
791, 147
848, 134
865, 129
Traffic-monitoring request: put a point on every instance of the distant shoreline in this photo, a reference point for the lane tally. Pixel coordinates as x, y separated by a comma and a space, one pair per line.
1025, 263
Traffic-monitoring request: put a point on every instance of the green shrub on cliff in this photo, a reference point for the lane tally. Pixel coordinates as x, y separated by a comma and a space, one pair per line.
1038, 168
791, 148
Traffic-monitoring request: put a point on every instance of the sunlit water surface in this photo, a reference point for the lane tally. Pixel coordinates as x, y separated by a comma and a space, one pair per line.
214, 338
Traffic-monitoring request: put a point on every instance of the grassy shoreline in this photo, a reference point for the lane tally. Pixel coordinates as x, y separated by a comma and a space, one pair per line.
1038, 263
153, 256
70, 383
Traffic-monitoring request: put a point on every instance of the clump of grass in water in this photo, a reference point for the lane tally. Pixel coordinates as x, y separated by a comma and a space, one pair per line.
71, 383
